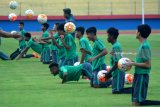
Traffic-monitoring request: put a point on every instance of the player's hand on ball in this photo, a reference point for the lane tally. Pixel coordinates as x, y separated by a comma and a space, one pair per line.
129, 63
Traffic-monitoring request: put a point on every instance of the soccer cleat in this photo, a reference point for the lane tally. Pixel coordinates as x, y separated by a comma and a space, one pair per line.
35, 55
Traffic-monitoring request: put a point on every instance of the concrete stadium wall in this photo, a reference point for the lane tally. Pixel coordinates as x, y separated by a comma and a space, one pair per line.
122, 22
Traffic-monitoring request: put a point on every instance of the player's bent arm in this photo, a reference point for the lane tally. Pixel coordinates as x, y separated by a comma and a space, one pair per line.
86, 51
46, 38
146, 64
22, 53
8, 35
82, 57
64, 78
43, 42
103, 53
55, 43
65, 45
109, 74
20, 38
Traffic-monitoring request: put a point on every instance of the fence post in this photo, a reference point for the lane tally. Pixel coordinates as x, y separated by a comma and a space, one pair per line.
111, 8
159, 7
135, 8
88, 8
65, 5
20, 13
42, 8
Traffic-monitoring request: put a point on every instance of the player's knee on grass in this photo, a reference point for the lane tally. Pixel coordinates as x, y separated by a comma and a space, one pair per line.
140, 87
87, 70
46, 56
118, 82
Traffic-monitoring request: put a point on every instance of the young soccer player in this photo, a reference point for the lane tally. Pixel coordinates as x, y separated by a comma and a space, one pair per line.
98, 56
58, 50
54, 45
71, 73
69, 18
142, 68
45, 55
61, 53
68, 42
6, 35
31, 44
85, 46
118, 76
22, 43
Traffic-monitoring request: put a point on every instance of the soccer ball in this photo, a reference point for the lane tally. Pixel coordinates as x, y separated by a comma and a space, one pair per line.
128, 78
12, 17
69, 27
122, 64
13, 32
108, 68
42, 18
101, 75
29, 13
76, 64
13, 4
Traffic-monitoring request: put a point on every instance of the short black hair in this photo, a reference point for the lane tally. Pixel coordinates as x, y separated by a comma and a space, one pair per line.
61, 27
80, 29
46, 25
53, 65
92, 30
27, 34
67, 11
21, 23
113, 32
144, 30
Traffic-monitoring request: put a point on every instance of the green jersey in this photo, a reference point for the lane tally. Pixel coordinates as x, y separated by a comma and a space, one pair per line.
98, 48
22, 42
117, 50
143, 55
35, 46
61, 51
53, 46
70, 54
73, 72
84, 43
45, 35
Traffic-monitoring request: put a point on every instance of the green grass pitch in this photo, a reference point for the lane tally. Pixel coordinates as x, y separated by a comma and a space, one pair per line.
28, 83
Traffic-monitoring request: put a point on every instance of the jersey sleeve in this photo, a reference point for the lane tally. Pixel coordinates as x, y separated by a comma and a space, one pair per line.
69, 41
82, 44
63, 69
56, 36
145, 53
30, 43
116, 53
100, 45
45, 34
